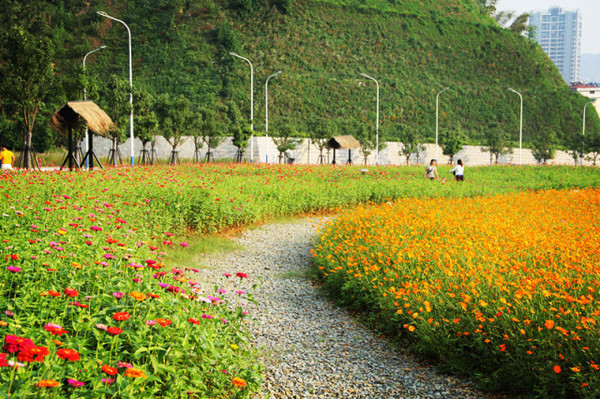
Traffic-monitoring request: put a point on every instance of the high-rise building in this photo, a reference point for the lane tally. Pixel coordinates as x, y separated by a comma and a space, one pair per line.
559, 33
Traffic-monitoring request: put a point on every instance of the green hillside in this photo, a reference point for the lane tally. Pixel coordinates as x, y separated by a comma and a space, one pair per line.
414, 48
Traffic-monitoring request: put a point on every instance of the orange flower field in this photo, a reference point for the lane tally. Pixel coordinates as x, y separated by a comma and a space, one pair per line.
502, 288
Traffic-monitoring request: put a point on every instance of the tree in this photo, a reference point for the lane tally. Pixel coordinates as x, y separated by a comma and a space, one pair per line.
320, 131
176, 119
592, 144
115, 100
497, 142
412, 142
211, 132
25, 78
283, 139
146, 123
452, 142
544, 145
366, 137
241, 132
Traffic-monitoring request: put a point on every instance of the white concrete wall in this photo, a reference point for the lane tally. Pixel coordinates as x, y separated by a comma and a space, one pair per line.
306, 153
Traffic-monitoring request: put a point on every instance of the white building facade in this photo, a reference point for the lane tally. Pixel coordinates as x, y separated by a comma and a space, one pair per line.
559, 34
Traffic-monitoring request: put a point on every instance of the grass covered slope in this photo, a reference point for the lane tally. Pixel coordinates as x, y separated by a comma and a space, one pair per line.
413, 48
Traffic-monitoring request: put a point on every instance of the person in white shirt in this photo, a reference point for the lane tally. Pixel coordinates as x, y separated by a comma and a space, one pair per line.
459, 171
431, 171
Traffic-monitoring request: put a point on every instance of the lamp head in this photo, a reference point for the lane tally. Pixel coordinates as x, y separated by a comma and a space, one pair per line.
232, 53
363, 74
102, 13
101, 47
278, 72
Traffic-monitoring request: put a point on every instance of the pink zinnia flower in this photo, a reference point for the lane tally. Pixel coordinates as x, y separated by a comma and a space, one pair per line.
108, 381
14, 269
75, 383
150, 322
122, 365
118, 295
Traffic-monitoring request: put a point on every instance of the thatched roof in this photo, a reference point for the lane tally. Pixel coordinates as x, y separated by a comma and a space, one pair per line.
77, 113
343, 142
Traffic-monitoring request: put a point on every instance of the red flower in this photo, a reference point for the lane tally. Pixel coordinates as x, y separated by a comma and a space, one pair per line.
114, 330
121, 316
53, 293
13, 343
3, 360
68, 354
241, 275
163, 322
194, 321
55, 329
70, 292
557, 369
110, 370
88, 242
34, 354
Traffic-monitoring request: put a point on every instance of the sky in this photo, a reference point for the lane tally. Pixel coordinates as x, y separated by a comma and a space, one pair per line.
590, 11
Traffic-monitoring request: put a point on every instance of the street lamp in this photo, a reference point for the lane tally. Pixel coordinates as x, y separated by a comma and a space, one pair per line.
267, 114
521, 126
102, 13
87, 144
251, 103
591, 102
377, 121
437, 120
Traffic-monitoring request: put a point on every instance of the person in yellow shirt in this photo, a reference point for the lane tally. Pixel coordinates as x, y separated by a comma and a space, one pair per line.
7, 158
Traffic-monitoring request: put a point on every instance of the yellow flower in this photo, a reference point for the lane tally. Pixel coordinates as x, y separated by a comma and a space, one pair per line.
138, 296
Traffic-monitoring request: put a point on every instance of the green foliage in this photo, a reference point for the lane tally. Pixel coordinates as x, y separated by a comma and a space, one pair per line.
412, 143
544, 145
497, 143
241, 133
452, 142
114, 99
176, 118
182, 48
25, 77
284, 140
210, 132
146, 122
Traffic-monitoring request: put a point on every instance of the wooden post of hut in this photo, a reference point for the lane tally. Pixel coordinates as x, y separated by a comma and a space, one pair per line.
343, 142
75, 114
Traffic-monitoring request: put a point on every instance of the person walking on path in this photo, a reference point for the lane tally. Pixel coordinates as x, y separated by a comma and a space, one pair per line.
459, 171
431, 171
7, 158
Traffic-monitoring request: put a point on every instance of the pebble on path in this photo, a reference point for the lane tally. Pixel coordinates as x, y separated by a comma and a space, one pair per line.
311, 348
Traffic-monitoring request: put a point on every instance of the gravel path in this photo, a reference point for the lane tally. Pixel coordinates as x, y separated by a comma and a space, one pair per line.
311, 348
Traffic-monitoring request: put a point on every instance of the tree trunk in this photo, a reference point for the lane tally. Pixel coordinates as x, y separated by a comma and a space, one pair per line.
114, 148
27, 164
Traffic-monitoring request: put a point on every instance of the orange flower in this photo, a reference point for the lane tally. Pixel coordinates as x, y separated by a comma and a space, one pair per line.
48, 384
557, 369
135, 373
239, 382
549, 324
109, 370
138, 296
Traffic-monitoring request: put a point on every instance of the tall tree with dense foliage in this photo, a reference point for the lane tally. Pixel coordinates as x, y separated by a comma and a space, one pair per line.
176, 119
114, 99
284, 140
412, 143
497, 143
544, 145
452, 142
146, 123
211, 132
320, 131
25, 78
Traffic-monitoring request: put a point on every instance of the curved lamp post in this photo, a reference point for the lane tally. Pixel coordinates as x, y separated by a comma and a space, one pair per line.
591, 102
87, 144
520, 126
377, 121
251, 103
267, 114
437, 120
102, 13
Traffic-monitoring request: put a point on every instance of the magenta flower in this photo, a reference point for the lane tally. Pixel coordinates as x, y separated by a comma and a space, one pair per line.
13, 269
108, 381
151, 322
184, 244
118, 295
122, 365
75, 383
227, 274
96, 228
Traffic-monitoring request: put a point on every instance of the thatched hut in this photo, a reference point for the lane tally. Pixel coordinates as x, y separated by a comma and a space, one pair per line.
79, 113
345, 143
